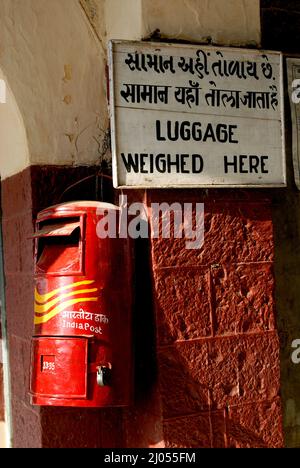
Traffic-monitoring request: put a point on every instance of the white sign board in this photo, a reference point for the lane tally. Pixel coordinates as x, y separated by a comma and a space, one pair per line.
196, 116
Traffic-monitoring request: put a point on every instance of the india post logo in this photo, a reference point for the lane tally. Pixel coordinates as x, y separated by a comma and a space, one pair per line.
47, 306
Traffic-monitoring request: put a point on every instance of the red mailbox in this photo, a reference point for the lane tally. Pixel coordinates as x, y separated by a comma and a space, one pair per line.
81, 349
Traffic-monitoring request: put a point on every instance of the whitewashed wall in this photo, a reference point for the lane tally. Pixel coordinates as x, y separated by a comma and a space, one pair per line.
14, 153
227, 22
54, 62
55, 67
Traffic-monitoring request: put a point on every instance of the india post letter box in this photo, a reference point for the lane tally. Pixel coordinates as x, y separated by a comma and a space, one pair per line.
81, 352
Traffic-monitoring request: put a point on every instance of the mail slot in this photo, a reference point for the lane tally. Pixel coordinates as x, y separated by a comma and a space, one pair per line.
81, 351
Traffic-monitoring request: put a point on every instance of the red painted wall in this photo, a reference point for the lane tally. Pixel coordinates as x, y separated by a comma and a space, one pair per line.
216, 378
217, 345
206, 345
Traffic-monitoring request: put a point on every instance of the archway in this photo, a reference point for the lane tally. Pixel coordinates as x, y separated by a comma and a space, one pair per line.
14, 156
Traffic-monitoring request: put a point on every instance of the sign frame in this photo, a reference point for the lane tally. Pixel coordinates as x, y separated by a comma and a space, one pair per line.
113, 122
293, 65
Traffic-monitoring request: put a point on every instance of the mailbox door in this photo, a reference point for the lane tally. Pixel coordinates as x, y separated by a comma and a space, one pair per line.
59, 246
59, 367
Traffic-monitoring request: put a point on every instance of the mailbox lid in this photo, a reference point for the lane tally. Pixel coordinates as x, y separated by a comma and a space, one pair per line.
59, 367
59, 245
60, 229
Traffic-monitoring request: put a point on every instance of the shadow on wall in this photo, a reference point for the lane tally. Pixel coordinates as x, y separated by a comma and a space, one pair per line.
286, 217
142, 421
59, 184
216, 428
144, 324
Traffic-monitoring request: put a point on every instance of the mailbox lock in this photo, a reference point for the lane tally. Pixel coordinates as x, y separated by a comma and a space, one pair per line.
103, 375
